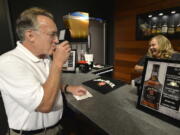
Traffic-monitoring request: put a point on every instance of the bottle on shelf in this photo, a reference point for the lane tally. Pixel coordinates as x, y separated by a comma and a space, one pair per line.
171, 28
165, 19
154, 29
164, 28
144, 27
159, 26
149, 28
152, 89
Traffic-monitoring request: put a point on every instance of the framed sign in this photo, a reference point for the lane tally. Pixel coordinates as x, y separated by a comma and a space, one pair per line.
160, 90
70, 65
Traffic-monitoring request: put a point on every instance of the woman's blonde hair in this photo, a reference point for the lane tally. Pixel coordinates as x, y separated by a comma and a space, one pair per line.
165, 48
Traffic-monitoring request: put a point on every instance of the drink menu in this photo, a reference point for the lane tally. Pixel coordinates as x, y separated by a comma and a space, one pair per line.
169, 77
171, 91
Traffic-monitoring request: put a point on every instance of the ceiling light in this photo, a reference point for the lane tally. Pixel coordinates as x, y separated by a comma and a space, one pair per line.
149, 16
160, 14
173, 12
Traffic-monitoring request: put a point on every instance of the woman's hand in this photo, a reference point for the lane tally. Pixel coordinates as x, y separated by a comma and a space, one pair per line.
138, 68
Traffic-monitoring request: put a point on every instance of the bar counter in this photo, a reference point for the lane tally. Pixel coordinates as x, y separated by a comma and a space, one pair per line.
115, 113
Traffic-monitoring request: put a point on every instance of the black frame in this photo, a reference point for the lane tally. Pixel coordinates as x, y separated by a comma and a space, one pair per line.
72, 61
157, 113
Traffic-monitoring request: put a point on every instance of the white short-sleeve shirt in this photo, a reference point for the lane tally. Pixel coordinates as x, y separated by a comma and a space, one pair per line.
21, 76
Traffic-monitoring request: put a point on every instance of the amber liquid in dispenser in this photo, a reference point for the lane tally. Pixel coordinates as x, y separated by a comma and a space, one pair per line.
152, 90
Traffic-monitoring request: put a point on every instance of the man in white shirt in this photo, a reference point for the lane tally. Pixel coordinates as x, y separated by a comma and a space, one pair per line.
30, 82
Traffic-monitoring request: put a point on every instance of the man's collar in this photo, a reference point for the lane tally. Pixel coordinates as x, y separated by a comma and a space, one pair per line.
27, 52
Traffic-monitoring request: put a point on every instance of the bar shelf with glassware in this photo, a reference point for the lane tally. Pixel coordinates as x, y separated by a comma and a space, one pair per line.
166, 22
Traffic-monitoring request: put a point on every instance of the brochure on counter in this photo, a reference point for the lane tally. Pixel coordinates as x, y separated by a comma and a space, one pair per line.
104, 84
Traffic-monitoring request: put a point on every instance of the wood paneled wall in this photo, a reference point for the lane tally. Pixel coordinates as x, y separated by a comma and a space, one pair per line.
127, 49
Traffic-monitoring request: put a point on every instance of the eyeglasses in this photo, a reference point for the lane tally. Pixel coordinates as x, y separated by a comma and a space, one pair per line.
51, 35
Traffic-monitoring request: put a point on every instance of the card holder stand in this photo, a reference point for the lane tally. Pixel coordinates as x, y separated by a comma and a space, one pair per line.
70, 65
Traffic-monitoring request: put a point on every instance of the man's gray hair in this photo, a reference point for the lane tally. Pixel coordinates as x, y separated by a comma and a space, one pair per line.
28, 20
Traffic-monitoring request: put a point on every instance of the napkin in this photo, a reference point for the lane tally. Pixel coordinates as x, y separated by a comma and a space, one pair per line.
87, 95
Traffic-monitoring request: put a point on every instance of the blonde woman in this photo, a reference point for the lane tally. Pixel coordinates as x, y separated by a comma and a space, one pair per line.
159, 47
